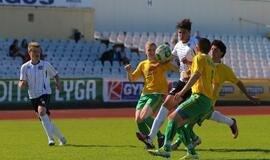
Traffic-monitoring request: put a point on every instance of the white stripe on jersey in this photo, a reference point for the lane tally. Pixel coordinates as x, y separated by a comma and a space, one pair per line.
182, 50
37, 77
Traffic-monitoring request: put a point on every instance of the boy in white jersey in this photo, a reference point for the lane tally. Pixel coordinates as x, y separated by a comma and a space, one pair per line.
35, 74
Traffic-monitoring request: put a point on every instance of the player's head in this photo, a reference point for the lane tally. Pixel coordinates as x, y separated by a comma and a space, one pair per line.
218, 50
183, 30
203, 46
150, 48
34, 51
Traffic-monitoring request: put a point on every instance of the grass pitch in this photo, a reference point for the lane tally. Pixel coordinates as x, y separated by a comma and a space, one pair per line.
114, 139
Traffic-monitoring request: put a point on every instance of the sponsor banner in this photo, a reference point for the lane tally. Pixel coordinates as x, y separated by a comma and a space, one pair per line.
49, 3
255, 87
123, 91
73, 90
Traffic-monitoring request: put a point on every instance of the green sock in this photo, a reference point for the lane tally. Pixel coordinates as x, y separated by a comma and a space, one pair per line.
187, 139
149, 121
143, 128
180, 136
169, 134
193, 135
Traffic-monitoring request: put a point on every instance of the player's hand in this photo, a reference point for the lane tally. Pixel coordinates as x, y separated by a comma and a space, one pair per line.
58, 86
254, 99
128, 67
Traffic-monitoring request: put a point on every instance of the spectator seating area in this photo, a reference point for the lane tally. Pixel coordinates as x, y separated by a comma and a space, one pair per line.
249, 56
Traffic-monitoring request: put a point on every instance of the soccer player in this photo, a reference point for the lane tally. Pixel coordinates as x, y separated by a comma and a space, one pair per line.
35, 74
155, 88
225, 73
197, 106
184, 52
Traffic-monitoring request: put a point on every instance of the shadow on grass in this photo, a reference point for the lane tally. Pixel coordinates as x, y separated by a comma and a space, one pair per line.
101, 146
236, 150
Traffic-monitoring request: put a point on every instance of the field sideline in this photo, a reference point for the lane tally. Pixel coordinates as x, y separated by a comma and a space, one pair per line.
123, 112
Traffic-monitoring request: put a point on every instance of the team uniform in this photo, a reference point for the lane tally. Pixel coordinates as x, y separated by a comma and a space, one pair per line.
38, 77
155, 83
201, 100
223, 73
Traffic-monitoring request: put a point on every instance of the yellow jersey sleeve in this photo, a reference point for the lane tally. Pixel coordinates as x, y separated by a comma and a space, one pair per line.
137, 73
155, 82
230, 76
223, 73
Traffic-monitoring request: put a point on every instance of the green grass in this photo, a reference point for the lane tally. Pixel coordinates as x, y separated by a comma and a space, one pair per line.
114, 139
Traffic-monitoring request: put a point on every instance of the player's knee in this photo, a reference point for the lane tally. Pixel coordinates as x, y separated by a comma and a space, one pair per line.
138, 119
169, 103
41, 111
171, 116
143, 116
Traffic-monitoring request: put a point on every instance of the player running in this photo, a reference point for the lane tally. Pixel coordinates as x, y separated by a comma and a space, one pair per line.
35, 74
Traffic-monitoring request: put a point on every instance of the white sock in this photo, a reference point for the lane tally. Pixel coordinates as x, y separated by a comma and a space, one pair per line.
46, 123
218, 117
56, 131
162, 114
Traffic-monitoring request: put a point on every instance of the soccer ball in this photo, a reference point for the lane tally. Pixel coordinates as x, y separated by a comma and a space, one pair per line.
163, 53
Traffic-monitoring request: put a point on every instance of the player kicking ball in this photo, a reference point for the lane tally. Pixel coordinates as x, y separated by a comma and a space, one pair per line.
35, 75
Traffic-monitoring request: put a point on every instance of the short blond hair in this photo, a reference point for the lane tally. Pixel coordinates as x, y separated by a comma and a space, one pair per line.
33, 45
148, 45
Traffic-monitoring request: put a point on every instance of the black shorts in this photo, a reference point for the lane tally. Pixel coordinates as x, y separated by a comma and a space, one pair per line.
178, 87
43, 100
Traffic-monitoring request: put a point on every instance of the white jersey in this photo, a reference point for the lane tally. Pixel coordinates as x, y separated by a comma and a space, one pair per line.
38, 77
183, 51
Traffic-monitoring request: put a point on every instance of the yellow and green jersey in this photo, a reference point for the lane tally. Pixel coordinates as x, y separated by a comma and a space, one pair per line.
223, 73
155, 81
203, 64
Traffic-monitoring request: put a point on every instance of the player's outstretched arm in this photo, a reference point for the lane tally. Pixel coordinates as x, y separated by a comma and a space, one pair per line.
243, 89
129, 73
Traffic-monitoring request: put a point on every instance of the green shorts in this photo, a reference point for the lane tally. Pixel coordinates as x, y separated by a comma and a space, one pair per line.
206, 116
196, 108
152, 100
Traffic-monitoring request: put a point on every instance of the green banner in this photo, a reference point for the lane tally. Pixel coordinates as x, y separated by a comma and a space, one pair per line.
73, 90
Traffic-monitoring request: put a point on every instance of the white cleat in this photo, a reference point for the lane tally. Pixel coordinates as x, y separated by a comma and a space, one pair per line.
62, 141
51, 142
